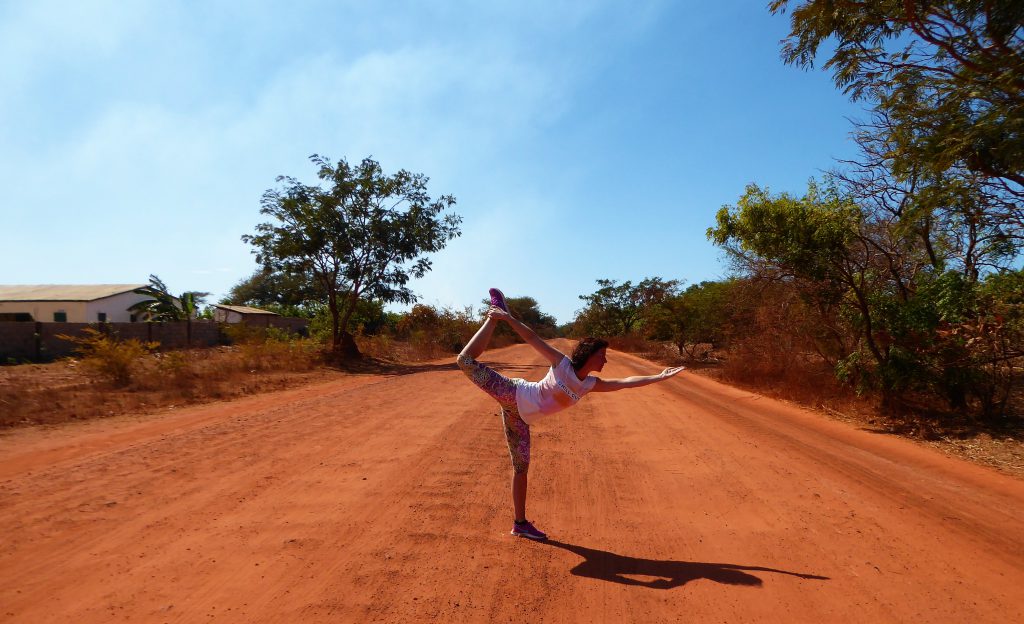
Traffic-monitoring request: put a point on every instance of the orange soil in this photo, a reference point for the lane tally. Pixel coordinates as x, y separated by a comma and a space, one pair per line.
385, 498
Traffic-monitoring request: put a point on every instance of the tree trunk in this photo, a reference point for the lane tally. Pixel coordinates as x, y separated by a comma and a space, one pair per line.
332, 306
346, 345
348, 349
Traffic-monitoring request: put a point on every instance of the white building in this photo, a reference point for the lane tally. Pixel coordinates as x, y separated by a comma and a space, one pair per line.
238, 314
76, 303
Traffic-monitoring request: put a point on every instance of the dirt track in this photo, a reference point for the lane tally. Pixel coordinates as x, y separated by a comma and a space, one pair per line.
376, 498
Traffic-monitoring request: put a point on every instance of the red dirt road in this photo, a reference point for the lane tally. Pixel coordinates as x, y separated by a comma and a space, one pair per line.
385, 498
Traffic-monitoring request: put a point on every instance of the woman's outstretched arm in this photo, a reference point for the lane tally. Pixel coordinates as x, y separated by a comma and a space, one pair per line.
611, 385
551, 354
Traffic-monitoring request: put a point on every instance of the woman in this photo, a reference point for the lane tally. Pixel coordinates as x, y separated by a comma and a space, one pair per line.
523, 402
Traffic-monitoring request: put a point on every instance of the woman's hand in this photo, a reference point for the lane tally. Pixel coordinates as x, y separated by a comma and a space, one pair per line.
498, 314
671, 372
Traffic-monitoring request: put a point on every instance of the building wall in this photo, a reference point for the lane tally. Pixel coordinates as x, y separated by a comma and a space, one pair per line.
116, 308
226, 316
43, 310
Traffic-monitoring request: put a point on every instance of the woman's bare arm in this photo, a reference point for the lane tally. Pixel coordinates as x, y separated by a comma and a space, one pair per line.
551, 354
611, 385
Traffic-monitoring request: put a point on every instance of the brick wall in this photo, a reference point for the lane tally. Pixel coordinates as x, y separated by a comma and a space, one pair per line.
39, 342
17, 341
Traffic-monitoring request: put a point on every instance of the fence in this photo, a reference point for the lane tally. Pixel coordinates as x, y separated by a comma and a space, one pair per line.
39, 342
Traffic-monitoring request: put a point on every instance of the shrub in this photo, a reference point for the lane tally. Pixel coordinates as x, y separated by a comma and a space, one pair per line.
109, 358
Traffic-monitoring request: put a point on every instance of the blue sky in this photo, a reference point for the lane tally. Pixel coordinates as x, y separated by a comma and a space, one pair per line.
582, 140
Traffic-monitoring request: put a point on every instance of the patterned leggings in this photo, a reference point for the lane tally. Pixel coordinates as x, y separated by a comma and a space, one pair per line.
503, 390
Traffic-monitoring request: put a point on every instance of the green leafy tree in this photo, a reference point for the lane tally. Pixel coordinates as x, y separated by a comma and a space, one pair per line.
362, 234
699, 315
289, 294
163, 306
949, 74
897, 322
617, 309
953, 214
822, 243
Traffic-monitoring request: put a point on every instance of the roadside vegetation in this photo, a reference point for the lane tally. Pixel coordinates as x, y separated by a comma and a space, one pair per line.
899, 270
111, 377
895, 279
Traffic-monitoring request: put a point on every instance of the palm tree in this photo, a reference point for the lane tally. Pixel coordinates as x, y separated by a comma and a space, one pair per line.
163, 306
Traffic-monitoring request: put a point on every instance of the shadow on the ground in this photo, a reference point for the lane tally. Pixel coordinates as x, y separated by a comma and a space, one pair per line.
947, 428
608, 566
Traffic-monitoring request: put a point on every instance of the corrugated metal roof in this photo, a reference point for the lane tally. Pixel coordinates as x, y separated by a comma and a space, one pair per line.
245, 309
64, 292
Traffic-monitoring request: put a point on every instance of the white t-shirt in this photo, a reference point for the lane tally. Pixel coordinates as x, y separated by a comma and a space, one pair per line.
559, 389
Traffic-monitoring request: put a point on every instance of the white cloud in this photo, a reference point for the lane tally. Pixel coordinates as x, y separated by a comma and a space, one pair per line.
162, 173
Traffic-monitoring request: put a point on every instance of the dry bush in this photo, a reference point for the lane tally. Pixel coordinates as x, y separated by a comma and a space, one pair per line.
380, 346
65, 390
630, 343
429, 333
654, 350
271, 348
426, 333
108, 358
273, 355
772, 348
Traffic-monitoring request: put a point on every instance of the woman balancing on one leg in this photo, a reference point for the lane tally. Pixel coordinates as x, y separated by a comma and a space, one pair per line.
525, 402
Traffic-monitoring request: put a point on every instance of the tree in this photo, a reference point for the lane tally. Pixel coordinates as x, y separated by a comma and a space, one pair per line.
889, 317
617, 309
293, 294
960, 223
698, 315
949, 74
163, 306
363, 235
528, 311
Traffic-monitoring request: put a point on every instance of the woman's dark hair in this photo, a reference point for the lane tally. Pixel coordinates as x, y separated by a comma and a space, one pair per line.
586, 348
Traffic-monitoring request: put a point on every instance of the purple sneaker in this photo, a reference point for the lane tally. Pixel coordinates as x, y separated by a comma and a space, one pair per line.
526, 529
497, 299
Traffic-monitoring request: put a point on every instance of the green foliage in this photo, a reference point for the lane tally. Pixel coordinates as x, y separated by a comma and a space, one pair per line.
447, 329
617, 309
896, 269
271, 348
206, 313
701, 314
107, 357
949, 75
288, 294
163, 306
363, 235
368, 319
891, 319
786, 236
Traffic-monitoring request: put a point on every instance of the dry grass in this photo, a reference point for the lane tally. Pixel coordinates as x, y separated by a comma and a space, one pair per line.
86, 387
77, 389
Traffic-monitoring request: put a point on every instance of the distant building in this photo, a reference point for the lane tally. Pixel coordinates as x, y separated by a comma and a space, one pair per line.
74, 303
241, 314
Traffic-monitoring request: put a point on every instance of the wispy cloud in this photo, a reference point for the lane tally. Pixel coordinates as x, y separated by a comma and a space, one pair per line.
144, 133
